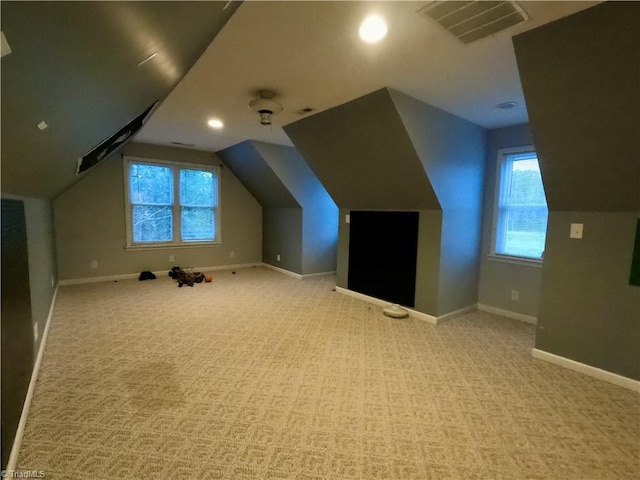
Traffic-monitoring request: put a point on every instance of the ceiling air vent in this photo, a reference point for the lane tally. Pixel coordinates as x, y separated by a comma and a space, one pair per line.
305, 111
471, 21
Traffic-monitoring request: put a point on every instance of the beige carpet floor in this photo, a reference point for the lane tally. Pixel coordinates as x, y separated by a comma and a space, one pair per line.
261, 376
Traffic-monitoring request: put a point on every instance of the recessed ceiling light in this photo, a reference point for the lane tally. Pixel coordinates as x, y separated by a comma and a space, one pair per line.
43, 125
506, 105
215, 123
373, 29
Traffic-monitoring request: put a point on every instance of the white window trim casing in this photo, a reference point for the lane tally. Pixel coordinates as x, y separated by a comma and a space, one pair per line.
130, 244
503, 153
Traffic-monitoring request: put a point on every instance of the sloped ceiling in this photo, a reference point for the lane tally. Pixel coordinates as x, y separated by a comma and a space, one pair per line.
581, 79
310, 54
74, 65
248, 164
363, 156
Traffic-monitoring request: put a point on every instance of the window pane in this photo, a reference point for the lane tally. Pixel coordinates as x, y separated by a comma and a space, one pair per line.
525, 231
197, 188
526, 183
522, 214
152, 224
198, 223
150, 184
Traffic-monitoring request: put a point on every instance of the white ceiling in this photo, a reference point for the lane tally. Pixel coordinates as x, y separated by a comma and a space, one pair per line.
310, 54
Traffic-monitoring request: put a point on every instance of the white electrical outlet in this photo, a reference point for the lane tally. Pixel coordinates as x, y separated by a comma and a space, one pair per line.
172, 258
94, 263
576, 230
232, 254
35, 332
278, 257
515, 295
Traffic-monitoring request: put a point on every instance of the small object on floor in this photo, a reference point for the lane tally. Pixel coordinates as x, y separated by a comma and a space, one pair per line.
146, 275
395, 311
208, 278
186, 276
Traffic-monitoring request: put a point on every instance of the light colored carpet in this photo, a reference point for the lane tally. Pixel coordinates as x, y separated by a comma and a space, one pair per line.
261, 376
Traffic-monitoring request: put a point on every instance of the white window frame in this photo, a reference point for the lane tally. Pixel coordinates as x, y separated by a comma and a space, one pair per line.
503, 158
176, 242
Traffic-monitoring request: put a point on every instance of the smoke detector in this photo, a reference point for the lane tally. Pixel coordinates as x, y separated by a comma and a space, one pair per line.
265, 106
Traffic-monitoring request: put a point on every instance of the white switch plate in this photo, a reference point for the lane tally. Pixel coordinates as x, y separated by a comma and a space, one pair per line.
347, 218
576, 230
278, 257
94, 264
35, 332
172, 258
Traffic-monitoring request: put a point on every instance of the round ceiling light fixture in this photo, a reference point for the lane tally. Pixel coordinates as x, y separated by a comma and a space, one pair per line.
215, 123
506, 105
265, 106
373, 29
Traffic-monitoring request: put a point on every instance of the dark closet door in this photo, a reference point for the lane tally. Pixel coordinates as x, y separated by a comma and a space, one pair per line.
383, 249
17, 331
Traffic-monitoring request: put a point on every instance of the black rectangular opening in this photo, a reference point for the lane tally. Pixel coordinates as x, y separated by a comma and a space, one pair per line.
383, 249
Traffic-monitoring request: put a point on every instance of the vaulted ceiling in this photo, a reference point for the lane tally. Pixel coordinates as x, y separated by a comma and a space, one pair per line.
74, 65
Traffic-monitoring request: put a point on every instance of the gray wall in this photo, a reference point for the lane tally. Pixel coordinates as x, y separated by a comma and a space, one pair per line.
282, 182
589, 312
319, 212
90, 222
581, 79
363, 156
388, 151
498, 278
42, 260
17, 339
282, 234
28, 286
281, 212
41, 250
452, 151
248, 165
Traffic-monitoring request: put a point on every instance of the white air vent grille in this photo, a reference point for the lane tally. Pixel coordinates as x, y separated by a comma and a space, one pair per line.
471, 21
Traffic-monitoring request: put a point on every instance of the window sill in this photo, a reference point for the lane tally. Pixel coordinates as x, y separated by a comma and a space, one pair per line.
529, 262
166, 246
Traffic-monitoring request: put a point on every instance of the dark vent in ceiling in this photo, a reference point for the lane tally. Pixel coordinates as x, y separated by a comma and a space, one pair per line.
305, 110
183, 144
471, 21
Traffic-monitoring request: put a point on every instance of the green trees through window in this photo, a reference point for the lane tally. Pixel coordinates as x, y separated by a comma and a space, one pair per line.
521, 212
172, 204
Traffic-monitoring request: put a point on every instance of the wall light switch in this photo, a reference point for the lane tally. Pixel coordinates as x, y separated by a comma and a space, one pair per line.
576, 230
347, 218
172, 258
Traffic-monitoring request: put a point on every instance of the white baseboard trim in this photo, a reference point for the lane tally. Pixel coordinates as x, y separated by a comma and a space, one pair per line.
619, 380
383, 303
17, 441
158, 273
508, 313
458, 313
282, 270
321, 274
